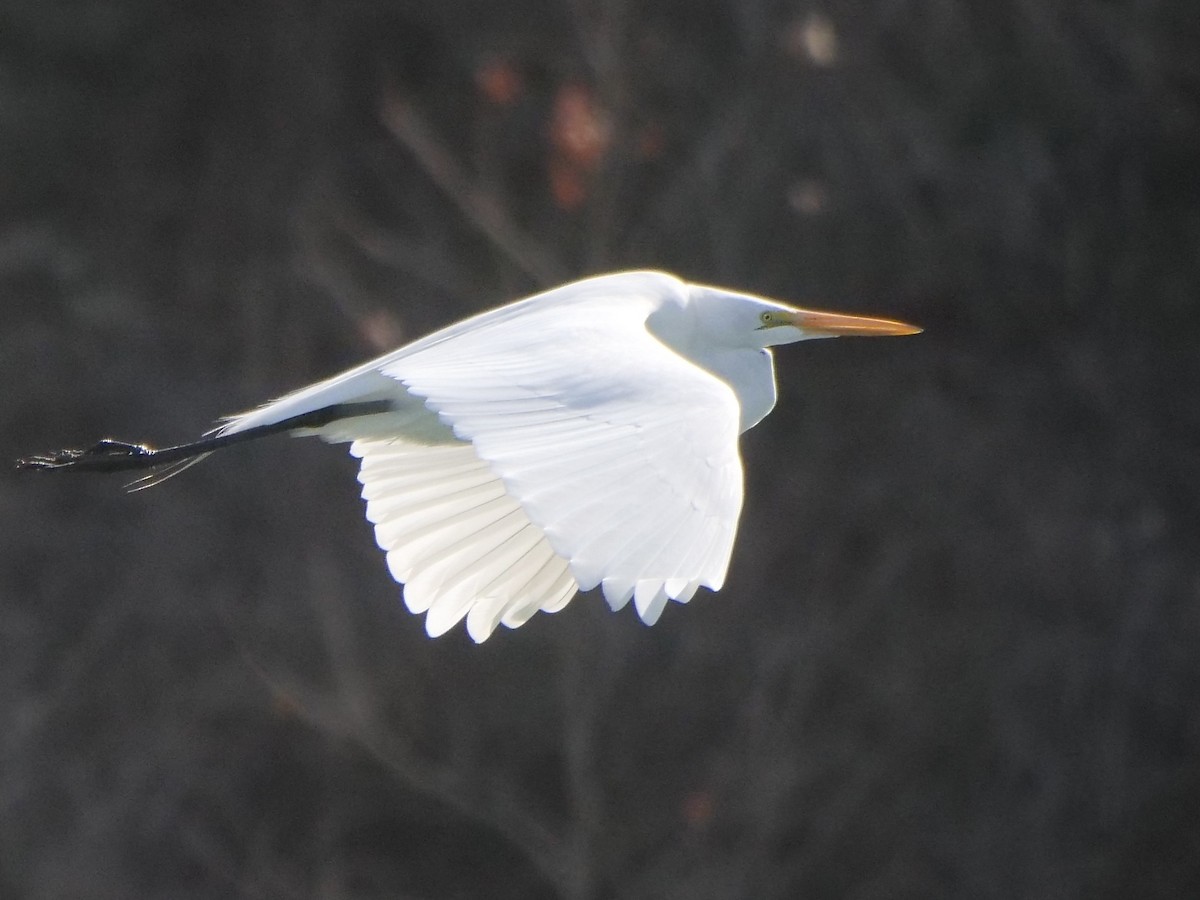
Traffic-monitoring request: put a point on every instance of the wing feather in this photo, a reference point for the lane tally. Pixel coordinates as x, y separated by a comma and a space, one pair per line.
458, 541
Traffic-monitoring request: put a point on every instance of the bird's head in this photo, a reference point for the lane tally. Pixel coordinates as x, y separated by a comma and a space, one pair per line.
747, 320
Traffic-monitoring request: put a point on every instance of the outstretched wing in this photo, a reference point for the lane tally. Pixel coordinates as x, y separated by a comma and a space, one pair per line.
623, 453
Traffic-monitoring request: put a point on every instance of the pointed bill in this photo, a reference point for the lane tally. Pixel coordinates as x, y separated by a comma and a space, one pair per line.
841, 325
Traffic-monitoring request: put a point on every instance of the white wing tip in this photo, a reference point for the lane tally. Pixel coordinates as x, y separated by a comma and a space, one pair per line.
649, 595
618, 592
483, 619
650, 598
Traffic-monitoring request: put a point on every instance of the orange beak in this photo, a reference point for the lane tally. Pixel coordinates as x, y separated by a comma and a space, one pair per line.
840, 325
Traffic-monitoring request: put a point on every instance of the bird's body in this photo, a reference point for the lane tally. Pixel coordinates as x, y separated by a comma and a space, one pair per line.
584, 437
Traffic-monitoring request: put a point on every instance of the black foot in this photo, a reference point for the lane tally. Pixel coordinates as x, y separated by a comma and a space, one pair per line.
105, 454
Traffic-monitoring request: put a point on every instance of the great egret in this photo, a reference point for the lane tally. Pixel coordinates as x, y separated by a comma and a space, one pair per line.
586, 436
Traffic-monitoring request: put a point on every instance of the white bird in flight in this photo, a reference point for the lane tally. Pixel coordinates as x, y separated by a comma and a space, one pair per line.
583, 437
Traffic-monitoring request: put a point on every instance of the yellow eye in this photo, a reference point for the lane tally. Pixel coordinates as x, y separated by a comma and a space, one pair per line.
766, 318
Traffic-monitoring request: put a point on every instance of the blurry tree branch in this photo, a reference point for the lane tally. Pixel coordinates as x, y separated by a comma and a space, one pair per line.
348, 713
480, 208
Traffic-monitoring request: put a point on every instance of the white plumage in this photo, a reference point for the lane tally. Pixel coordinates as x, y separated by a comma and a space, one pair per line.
585, 437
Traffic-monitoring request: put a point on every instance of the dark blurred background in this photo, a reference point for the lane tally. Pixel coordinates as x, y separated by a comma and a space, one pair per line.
957, 653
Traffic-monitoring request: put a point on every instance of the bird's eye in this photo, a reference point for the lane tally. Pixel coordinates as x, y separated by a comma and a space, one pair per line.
766, 318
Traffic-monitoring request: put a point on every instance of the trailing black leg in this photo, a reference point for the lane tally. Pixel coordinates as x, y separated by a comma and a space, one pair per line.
107, 455
110, 455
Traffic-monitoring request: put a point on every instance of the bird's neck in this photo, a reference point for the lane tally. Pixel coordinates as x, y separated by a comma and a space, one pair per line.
751, 374
749, 371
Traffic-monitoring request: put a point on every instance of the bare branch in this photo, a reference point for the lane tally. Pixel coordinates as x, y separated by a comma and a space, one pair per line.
479, 207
